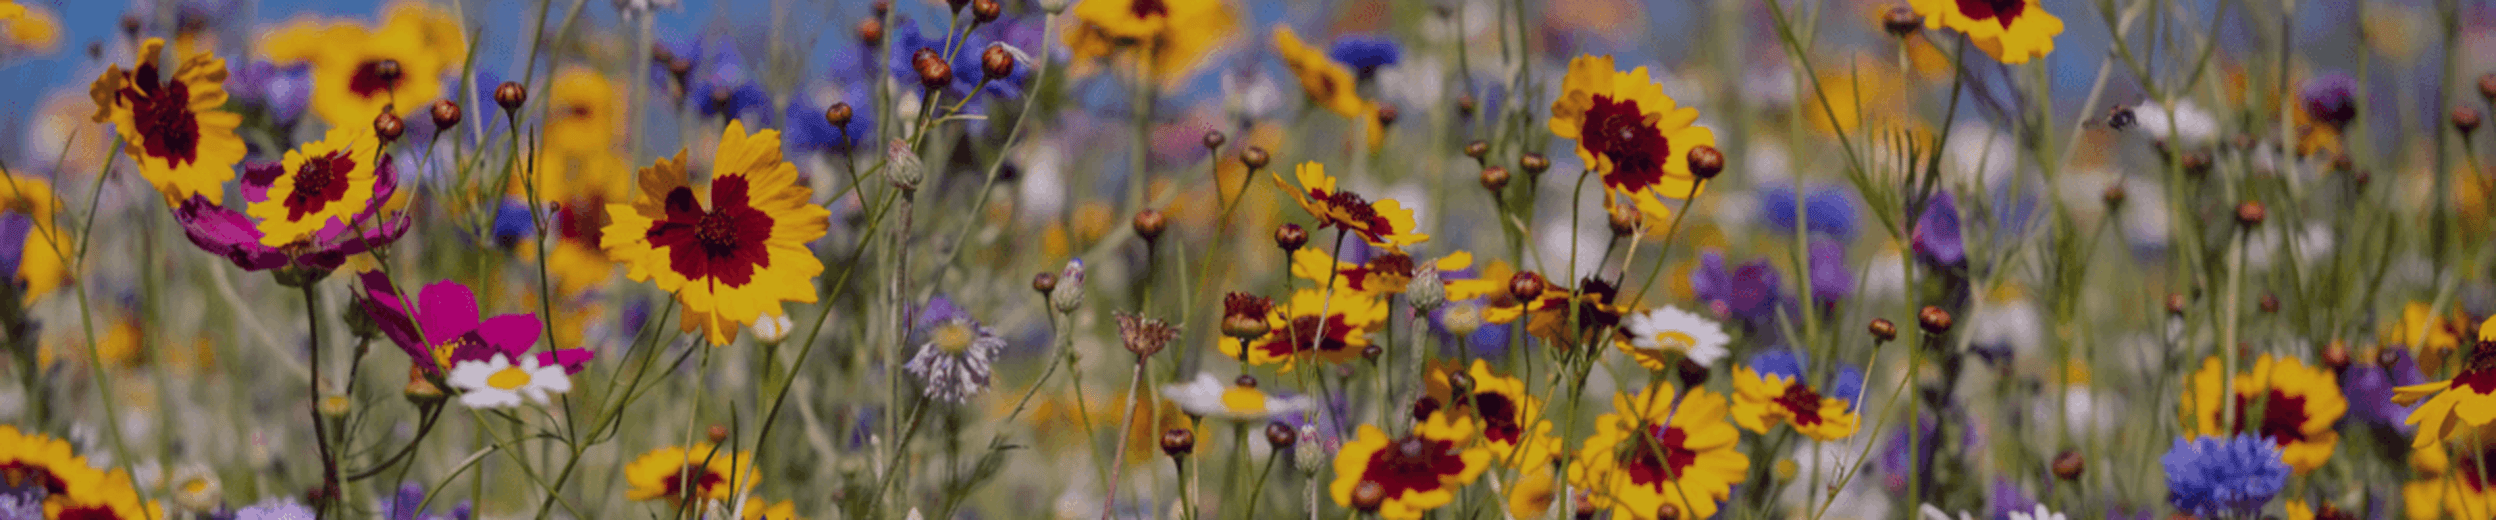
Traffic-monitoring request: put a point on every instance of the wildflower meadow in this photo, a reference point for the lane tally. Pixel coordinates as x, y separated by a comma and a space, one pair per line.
1247, 259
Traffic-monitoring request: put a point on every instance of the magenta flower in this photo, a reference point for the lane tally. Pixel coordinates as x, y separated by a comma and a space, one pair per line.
235, 236
446, 315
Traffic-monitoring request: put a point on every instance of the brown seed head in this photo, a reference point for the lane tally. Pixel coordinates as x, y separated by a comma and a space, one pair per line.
1144, 336
1526, 285
2466, 120
2336, 355
445, 114
1150, 223
934, 73
1281, 435
1534, 163
1290, 237
2197, 163
871, 31
717, 434
996, 62
839, 115
986, 11
1477, 149
1254, 157
1214, 139
1883, 330
1706, 162
1244, 381
1244, 315
2249, 213
1372, 352
1668, 512
1494, 178
510, 95
1367, 496
1934, 320
1043, 283
388, 125
1178, 442
2068, 465
1901, 21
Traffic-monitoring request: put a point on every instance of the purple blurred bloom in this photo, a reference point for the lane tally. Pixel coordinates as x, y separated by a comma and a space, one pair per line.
967, 72
2330, 98
1365, 54
282, 92
1777, 362
14, 228
1936, 236
1750, 292
1828, 210
403, 506
2369, 387
446, 317
2008, 496
1830, 280
233, 235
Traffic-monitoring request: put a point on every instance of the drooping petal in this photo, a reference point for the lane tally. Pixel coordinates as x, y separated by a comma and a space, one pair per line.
513, 334
447, 310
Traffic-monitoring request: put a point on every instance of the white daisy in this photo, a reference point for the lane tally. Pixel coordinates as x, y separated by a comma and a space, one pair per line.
1935, 513
2041, 513
497, 383
2190, 126
1670, 329
1241, 401
954, 363
771, 329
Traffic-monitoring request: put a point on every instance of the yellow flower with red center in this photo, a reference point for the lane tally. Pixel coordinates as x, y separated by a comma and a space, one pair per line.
1314, 326
1171, 37
26, 33
1762, 401
1328, 83
2430, 338
732, 253
358, 70
2447, 490
1548, 315
1654, 450
2012, 31
1628, 130
1415, 473
39, 264
685, 475
2296, 406
1386, 273
2468, 398
175, 128
69, 486
327, 182
1512, 424
1384, 223
10, 10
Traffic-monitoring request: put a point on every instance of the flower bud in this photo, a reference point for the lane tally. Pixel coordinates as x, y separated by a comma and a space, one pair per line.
388, 126
1244, 315
2249, 213
1622, 220
1372, 353
1673, 512
1526, 285
1150, 223
1254, 157
421, 390
1425, 291
1494, 178
1934, 320
1706, 162
1901, 21
1387, 114
445, 115
934, 73
871, 31
1214, 139
996, 62
1290, 237
2269, 303
388, 71
336, 406
1883, 331
1310, 456
1245, 381
2465, 119
1069, 292
1178, 442
510, 95
1466, 105
985, 11
716, 433
839, 115
2487, 87
2197, 163
1367, 496
2175, 304
2336, 355
1477, 149
1534, 163
1043, 283
2068, 465
1280, 435
771, 329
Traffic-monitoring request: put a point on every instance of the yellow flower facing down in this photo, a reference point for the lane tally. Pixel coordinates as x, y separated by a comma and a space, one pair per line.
1548, 315
2012, 31
1416, 473
358, 70
1387, 273
1627, 129
732, 253
1384, 223
327, 182
1314, 326
2296, 406
175, 128
1328, 84
1532, 497
1762, 401
755, 509
1512, 424
27, 206
684, 475
2430, 338
2469, 398
1653, 450
1172, 37
11, 11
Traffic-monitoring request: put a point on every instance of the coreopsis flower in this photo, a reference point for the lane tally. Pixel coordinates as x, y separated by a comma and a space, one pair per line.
1170, 37
954, 363
1385, 223
1329, 84
358, 70
2298, 404
173, 121
1314, 326
1207, 396
9, 11
324, 183
685, 476
1655, 450
375, 221
2429, 337
756, 509
2012, 31
1550, 314
1764, 399
2213, 477
1531, 497
586, 115
1628, 130
731, 252
2444, 489
32, 247
1412, 474
1387, 273
64, 483
2468, 398
1512, 421
498, 383
1661, 335
443, 331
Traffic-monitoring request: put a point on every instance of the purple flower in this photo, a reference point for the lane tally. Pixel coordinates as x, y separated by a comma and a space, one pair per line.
14, 228
2213, 477
1750, 292
446, 315
1830, 281
2369, 387
1365, 54
1936, 235
403, 506
1777, 362
280, 91
222, 231
1828, 210
2330, 99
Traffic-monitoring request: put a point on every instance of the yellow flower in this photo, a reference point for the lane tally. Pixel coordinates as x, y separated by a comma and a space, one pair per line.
731, 255
1315, 326
40, 263
1383, 274
1548, 315
327, 182
177, 132
1532, 496
1172, 37
1627, 129
1384, 223
675, 473
2469, 396
586, 113
71, 487
1512, 424
755, 509
1329, 84
1418, 472
2446, 490
28, 32
1761, 401
10, 10
2012, 31
351, 63
2297, 403
2430, 338
1655, 450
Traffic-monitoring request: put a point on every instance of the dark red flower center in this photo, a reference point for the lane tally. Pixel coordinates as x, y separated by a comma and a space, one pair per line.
1413, 464
2002, 11
1306, 330
318, 182
1659, 457
703, 481
19, 474
372, 78
1352, 212
162, 113
88, 512
1499, 417
722, 245
1148, 8
583, 222
2283, 416
1803, 402
1423, 407
2471, 467
1618, 130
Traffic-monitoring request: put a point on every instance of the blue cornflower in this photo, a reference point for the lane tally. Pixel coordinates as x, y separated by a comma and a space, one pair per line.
717, 83
1936, 236
1365, 54
513, 223
1830, 279
2369, 388
1849, 384
1829, 209
1778, 362
2330, 99
2212, 476
279, 92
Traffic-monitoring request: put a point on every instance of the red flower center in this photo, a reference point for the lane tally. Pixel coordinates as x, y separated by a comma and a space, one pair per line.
1305, 330
583, 222
1659, 457
1499, 417
1353, 212
1803, 402
369, 79
162, 113
1618, 130
2470, 467
2283, 416
318, 182
1413, 464
1148, 8
19, 474
88, 512
703, 481
722, 245
2002, 11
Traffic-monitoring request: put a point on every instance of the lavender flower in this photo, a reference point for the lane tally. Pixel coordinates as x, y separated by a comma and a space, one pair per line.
1749, 293
2330, 99
1936, 236
1827, 210
1365, 54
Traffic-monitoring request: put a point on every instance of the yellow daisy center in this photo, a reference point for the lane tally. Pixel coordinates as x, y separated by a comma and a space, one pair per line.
954, 338
508, 379
1674, 340
1243, 399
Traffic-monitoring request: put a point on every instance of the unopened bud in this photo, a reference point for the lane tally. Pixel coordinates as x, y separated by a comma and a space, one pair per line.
510, 95
2249, 213
1069, 292
1706, 162
2114, 195
1494, 178
1883, 330
388, 126
1526, 285
1425, 291
2465, 119
1280, 435
2336, 355
1623, 220
996, 62
1214, 139
985, 11
1534, 163
1150, 223
934, 73
717, 434
1254, 157
1477, 149
1043, 283
839, 115
1901, 21
1178, 442
2068, 465
1934, 320
871, 31
1387, 114
445, 114
1290, 237
1692, 373
1367, 496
